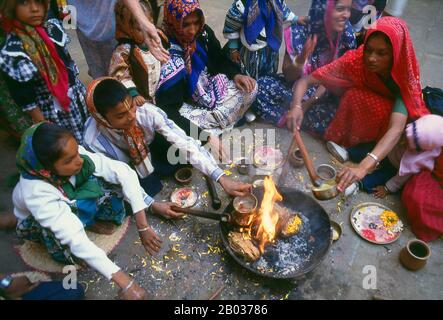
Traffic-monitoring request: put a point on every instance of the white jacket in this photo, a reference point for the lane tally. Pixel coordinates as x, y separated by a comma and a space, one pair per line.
51, 209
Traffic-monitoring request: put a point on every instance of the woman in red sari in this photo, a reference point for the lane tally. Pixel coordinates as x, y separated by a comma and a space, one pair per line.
380, 90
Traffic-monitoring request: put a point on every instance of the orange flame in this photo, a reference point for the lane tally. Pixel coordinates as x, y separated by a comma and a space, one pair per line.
267, 218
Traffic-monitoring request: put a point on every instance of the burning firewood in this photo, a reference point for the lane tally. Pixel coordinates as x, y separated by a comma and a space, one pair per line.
243, 245
289, 223
269, 222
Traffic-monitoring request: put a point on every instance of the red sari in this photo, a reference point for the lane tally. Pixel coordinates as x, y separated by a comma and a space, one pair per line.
423, 199
366, 104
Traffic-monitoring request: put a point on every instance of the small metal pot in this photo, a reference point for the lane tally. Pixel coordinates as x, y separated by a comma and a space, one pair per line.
244, 207
243, 167
328, 189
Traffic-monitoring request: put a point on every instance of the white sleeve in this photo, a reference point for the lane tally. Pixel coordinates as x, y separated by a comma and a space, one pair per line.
117, 172
48, 208
199, 157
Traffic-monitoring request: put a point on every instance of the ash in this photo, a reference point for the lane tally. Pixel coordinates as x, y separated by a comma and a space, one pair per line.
286, 256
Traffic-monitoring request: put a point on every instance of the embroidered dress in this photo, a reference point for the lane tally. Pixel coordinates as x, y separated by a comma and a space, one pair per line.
36, 83
132, 63
199, 74
246, 27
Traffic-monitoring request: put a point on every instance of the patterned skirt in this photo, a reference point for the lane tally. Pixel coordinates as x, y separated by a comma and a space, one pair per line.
109, 207
226, 112
274, 98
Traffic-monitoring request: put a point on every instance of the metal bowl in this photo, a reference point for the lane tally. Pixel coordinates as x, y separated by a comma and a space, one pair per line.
243, 166
328, 190
326, 172
246, 204
336, 230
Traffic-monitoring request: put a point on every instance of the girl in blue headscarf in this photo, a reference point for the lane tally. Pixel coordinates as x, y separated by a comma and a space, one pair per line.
327, 36
254, 29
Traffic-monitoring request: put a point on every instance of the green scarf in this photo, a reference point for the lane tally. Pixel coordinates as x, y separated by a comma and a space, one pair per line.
86, 185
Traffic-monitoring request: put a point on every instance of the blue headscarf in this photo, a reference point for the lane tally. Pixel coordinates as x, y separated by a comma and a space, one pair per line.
188, 60
326, 50
267, 14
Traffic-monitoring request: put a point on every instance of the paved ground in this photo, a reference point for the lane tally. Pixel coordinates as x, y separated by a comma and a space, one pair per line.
193, 263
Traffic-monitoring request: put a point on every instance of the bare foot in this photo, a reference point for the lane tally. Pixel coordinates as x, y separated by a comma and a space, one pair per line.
103, 227
218, 150
7, 221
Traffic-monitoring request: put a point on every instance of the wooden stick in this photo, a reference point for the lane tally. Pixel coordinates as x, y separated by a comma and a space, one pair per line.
217, 293
284, 170
316, 181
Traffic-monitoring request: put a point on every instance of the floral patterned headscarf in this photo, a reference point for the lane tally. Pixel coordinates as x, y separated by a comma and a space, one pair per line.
175, 13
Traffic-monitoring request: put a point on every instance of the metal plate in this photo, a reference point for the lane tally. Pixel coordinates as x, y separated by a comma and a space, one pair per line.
190, 201
366, 221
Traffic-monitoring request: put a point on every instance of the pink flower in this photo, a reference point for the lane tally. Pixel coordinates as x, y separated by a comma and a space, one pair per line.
368, 234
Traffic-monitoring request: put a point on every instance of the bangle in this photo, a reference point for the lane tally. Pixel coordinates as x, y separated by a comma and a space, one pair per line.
386, 189
298, 107
143, 229
128, 286
375, 158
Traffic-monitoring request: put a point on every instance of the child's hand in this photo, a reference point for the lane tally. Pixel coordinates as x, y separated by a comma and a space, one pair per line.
235, 188
134, 292
151, 241
139, 101
164, 209
380, 192
235, 55
303, 20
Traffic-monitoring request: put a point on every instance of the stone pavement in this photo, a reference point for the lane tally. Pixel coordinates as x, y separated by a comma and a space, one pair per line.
193, 263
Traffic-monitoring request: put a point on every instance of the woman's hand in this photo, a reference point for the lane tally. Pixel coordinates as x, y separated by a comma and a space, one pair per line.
138, 101
294, 118
164, 209
380, 192
151, 241
244, 83
150, 34
235, 55
235, 188
152, 40
348, 176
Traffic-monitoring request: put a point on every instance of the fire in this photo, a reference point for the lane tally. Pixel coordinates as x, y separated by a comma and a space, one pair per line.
267, 217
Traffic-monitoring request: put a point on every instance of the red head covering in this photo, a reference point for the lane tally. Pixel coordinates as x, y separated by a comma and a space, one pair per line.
43, 53
350, 71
